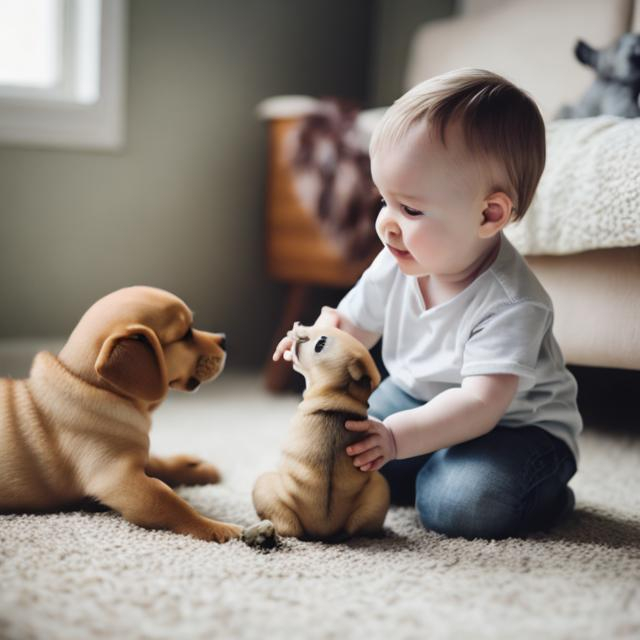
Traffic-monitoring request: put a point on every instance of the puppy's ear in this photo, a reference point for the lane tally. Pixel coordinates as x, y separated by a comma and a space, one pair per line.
586, 54
365, 377
132, 361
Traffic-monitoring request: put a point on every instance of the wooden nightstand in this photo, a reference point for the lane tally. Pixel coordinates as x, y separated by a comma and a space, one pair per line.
297, 251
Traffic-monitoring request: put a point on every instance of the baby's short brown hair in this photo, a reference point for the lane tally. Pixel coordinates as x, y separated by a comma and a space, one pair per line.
498, 119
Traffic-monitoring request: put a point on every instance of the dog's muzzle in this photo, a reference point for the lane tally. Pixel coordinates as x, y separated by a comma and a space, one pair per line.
207, 367
298, 341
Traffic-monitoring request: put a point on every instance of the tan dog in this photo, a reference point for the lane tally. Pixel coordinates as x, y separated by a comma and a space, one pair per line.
317, 492
78, 427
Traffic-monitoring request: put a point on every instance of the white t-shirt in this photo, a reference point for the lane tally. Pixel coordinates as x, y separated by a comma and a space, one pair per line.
501, 323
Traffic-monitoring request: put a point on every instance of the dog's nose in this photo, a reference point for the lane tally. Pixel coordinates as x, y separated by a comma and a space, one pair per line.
223, 342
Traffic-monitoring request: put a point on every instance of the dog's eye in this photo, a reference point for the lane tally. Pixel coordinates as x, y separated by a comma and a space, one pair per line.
320, 344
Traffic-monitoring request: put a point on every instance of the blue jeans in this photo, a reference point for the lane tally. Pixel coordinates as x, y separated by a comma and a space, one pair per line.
509, 482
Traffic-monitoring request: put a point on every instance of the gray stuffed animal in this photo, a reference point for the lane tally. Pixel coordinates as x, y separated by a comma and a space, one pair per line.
617, 85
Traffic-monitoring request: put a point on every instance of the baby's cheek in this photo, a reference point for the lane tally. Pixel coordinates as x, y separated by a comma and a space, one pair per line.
378, 226
422, 236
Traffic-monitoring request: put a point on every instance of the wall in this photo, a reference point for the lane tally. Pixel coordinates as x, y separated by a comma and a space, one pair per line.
182, 206
394, 24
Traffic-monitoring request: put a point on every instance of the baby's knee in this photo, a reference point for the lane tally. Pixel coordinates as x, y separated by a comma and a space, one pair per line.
464, 503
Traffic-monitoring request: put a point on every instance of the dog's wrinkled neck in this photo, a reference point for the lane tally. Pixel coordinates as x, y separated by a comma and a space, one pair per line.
320, 398
72, 356
50, 377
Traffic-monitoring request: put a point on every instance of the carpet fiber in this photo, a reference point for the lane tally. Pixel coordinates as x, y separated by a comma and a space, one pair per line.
93, 575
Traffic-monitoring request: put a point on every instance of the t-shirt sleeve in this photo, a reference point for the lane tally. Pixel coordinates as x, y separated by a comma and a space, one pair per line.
365, 304
508, 340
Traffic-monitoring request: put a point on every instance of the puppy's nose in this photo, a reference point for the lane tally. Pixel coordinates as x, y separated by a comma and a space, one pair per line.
222, 343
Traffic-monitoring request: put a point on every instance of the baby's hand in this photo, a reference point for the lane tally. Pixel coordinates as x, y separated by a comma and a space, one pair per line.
375, 450
328, 317
283, 349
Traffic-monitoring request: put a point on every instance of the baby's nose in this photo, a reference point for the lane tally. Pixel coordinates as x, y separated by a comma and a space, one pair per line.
387, 224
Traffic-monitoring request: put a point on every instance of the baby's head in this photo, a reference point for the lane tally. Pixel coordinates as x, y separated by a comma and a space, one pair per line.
455, 159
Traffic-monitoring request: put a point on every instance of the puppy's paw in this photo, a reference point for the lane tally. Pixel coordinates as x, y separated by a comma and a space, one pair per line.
191, 470
262, 535
224, 531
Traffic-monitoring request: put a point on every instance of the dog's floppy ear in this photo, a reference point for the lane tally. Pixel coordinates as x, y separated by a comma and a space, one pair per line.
365, 377
586, 54
132, 361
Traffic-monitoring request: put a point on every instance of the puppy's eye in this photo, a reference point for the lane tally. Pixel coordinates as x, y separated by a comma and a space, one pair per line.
188, 335
320, 344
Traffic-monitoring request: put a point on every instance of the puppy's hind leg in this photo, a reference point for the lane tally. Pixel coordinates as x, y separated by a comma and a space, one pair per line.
182, 469
368, 516
269, 506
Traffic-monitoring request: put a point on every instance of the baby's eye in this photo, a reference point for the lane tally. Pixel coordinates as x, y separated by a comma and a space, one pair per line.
411, 212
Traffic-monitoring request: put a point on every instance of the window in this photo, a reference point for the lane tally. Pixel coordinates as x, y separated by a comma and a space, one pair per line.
62, 72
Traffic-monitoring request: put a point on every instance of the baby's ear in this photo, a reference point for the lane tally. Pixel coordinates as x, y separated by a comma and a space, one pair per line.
497, 212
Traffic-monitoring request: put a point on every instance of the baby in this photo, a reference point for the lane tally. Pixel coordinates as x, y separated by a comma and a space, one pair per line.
477, 422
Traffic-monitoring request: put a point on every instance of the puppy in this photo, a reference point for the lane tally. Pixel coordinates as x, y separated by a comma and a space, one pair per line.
78, 427
317, 492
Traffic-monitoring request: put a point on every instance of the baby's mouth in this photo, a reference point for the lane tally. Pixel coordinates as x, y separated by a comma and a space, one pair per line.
398, 253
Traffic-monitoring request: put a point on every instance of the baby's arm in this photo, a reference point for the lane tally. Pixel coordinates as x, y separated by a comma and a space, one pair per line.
454, 416
332, 318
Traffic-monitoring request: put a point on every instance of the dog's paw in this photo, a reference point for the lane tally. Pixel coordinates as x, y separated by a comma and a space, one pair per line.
223, 532
261, 535
190, 470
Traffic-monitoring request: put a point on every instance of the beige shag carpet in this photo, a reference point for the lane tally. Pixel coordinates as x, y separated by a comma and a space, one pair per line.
92, 575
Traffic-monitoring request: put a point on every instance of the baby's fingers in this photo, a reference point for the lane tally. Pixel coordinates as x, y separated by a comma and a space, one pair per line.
363, 445
357, 425
370, 456
282, 348
373, 466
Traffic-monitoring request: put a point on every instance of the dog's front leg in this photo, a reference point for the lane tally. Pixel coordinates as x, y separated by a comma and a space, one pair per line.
150, 503
182, 469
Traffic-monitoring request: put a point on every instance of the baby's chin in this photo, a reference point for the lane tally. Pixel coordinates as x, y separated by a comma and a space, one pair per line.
412, 268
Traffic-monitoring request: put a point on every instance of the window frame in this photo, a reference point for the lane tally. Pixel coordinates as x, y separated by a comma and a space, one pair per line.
82, 118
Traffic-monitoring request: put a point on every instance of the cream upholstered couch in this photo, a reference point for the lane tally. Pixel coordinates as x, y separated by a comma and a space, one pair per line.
596, 292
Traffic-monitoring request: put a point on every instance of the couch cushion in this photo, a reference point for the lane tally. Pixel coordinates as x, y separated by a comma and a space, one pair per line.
589, 193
